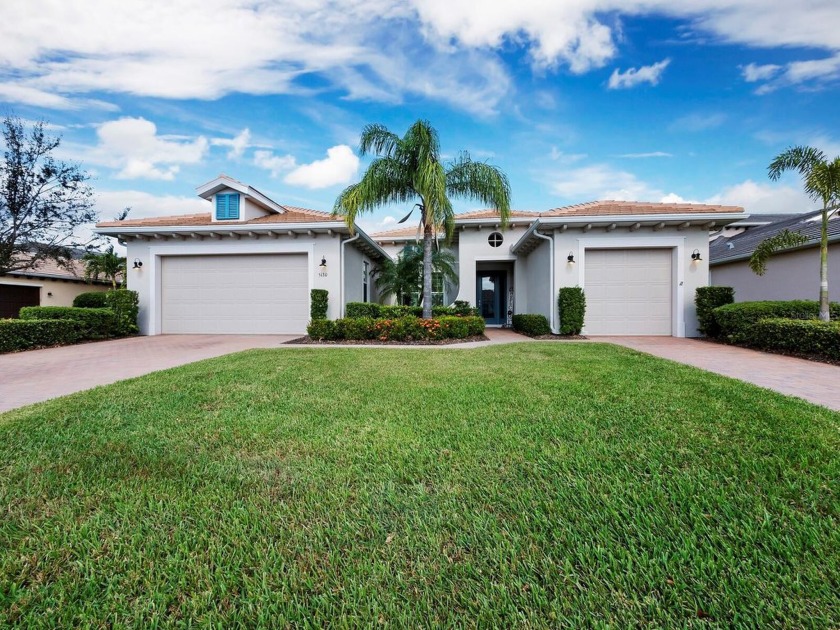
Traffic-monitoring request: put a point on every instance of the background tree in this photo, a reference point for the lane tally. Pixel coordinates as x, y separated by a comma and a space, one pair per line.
409, 169
107, 264
42, 200
821, 180
404, 277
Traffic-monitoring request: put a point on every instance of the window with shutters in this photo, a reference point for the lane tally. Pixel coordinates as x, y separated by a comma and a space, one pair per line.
227, 207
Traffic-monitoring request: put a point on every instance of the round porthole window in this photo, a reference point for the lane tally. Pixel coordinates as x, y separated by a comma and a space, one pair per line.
495, 239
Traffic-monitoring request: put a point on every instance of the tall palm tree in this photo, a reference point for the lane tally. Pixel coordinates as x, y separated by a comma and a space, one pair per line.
404, 277
107, 264
821, 179
409, 169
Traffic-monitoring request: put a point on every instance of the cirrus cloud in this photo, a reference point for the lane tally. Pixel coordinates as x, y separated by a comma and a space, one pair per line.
636, 76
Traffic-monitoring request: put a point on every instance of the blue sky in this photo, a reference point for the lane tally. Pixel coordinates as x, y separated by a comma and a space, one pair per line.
625, 99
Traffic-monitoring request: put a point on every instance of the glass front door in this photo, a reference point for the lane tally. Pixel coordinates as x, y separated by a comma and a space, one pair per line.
490, 296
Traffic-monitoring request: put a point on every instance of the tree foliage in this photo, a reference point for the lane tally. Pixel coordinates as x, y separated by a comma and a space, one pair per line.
409, 169
404, 277
769, 246
42, 200
108, 264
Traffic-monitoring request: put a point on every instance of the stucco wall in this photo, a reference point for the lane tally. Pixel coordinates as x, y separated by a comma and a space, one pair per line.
353, 276
791, 276
538, 294
63, 292
317, 246
473, 247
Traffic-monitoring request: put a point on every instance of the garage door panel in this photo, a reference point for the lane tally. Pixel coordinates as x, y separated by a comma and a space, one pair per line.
235, 294
628, 292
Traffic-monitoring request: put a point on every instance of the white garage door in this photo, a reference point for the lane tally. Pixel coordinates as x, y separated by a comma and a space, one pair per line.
235, 294
628, 292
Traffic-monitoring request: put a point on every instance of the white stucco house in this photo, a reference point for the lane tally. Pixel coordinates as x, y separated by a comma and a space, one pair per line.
249, 263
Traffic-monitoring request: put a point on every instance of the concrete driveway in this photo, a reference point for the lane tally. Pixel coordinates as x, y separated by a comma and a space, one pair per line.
37, 375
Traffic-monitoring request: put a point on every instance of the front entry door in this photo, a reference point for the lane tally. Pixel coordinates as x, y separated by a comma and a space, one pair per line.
490, 296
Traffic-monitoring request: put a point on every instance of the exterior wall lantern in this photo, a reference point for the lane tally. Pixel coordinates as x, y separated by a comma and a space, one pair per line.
137, 263
695, 255
323, 263
571, 258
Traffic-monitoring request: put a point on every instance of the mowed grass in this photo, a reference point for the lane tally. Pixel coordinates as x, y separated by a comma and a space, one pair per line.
541, 484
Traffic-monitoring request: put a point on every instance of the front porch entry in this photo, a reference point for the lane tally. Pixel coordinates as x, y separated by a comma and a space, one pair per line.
493, 294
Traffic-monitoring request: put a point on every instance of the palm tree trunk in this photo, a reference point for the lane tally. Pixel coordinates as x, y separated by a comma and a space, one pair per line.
427, 269
824, 308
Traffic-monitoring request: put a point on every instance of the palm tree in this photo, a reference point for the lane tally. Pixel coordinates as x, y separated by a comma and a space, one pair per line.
107, 264
404, 277
409, 169
821, 179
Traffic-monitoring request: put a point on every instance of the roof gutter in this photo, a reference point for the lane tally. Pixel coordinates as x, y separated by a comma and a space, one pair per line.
551, 317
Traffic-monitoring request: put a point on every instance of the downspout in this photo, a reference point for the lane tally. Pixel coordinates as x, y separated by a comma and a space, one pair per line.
341, 275
550, 240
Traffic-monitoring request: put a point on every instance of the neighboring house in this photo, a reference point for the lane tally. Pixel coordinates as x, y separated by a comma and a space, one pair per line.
792, 274
47, 284
247, 266
751, 222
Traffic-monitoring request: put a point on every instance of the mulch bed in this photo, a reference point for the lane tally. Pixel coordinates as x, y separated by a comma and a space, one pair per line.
552, 337
375, 342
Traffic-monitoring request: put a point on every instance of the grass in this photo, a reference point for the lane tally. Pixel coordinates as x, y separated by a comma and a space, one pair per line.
534, 485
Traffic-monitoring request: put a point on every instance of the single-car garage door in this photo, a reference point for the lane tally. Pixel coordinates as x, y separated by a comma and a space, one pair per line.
235, 294
14, 297
628, 292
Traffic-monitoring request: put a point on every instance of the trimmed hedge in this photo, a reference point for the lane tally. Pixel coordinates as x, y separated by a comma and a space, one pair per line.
92, 299
318, 301
532, 325
387, 311
94, 323
706, 299
397, 329
736, 321
125, 305
797, 336
24, 334
571, 302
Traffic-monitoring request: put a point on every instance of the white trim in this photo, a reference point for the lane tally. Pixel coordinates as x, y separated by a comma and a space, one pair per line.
674, 243
214, 249
21, 284
503, 258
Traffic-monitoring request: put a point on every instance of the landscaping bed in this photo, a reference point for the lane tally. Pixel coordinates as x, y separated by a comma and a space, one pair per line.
307, 340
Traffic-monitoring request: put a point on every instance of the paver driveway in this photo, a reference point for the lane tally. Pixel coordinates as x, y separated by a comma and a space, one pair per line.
813, 381
36, 375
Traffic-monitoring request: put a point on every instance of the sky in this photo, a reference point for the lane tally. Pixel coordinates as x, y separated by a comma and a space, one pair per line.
648, 100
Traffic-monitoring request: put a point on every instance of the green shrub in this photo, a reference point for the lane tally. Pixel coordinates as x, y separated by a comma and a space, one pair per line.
92, 299
571, 302
95, 323
396, 329
357, 328
808, 337
362, 309
125, 305
318, 302
399, 310
463, 308
737, 320
23, 334
322, 330
475, 325
706, 299
532, 325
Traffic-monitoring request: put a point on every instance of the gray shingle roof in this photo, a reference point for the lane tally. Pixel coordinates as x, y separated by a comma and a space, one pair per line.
742, 245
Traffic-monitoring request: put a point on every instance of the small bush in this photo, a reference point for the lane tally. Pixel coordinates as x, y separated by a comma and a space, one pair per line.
400, 310
318, 302
737, 320
125, 305
797, 336
706, 299
571, 302
24, 334
396, 329
463, 308
95, 323
92, 299
532, 325
322, 330
362, 309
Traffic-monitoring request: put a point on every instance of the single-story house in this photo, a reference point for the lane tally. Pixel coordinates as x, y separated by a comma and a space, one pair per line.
792, 274
248, 264
46, 284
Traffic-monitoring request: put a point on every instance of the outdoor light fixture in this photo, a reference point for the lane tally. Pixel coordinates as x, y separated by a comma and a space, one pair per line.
323, 262
695, 255
137, 263
571, 258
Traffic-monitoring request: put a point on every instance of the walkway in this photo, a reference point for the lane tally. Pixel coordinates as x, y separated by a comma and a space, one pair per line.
816, 382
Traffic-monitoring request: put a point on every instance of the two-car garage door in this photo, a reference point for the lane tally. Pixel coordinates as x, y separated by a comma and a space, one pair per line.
235, 294
628, 291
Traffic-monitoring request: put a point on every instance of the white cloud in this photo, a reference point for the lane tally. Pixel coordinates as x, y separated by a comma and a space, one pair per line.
636, 76
133, 146
812, 72
698, 122
565, 158
377, 224
649, 154
237, 144
601, 181
109, 203
277, 164
339, 167
763, 197
753, 72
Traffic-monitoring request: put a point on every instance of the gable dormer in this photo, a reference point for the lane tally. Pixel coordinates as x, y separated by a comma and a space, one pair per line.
234, 201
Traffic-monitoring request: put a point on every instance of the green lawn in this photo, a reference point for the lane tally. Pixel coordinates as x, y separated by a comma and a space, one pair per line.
541, 484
